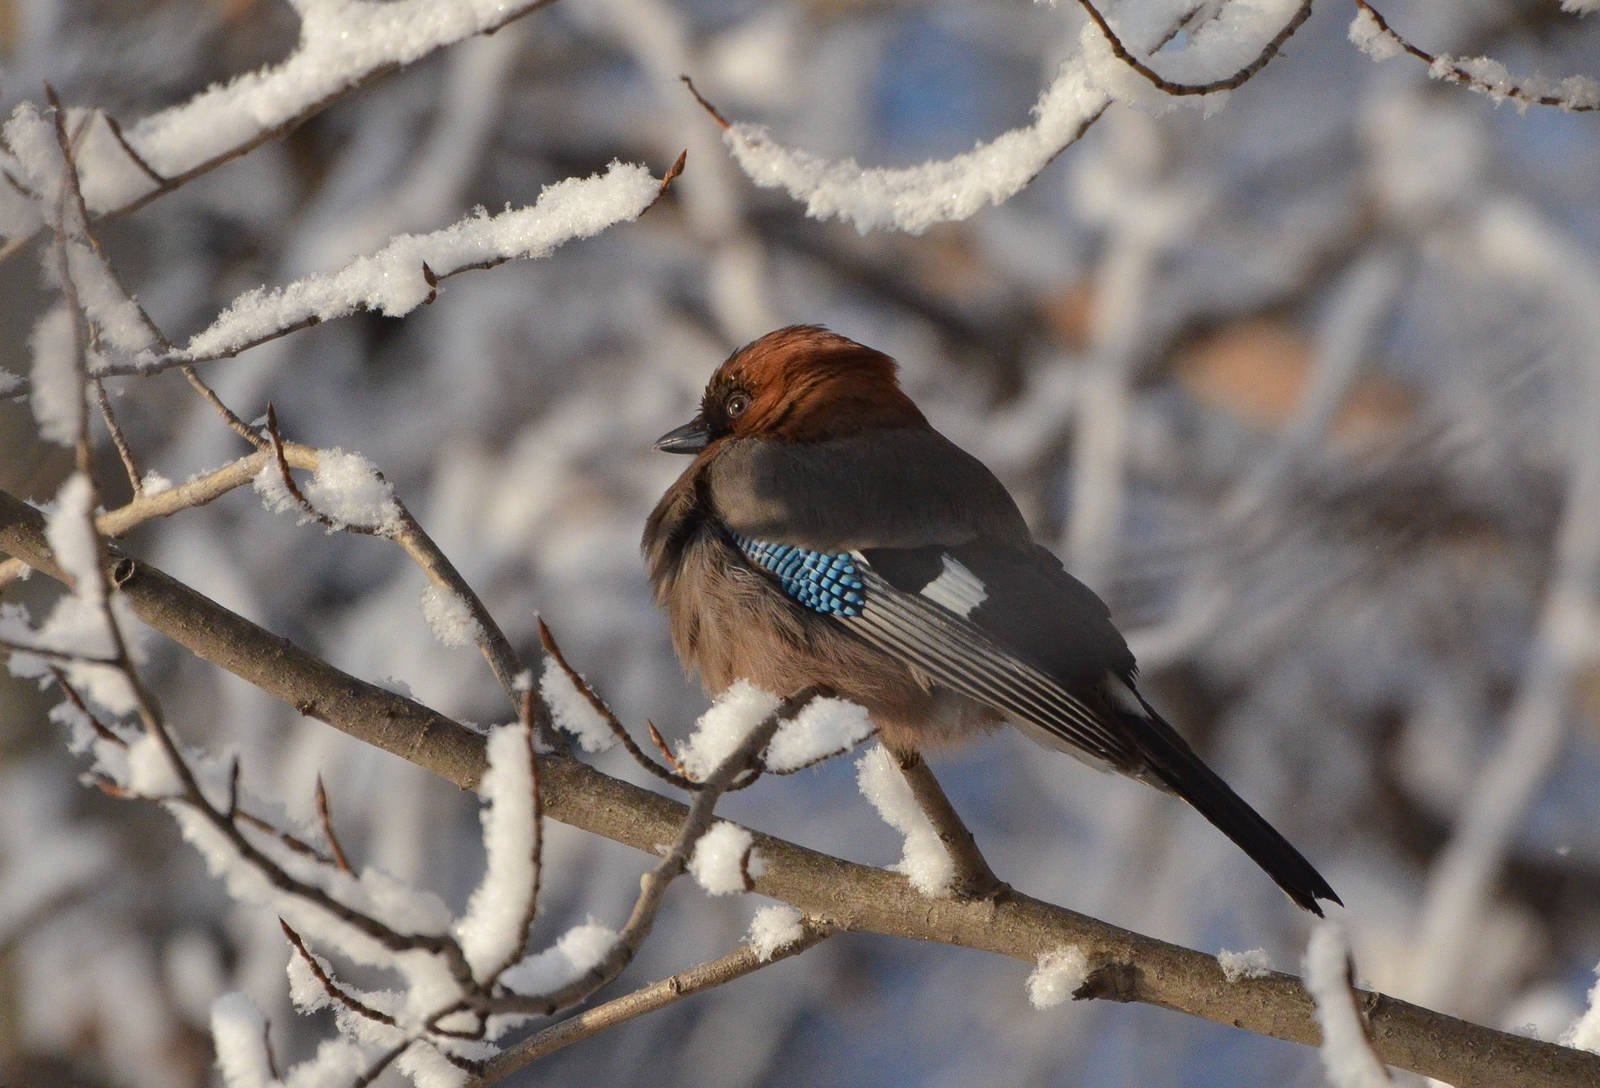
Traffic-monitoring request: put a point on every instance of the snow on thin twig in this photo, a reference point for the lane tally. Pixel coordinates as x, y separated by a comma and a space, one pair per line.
720, 730
773, 929
493, 930
1347, 1053
404, 274
571, 709
925, 862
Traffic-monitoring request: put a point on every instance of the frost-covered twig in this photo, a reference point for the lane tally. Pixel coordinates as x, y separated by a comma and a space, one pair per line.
653, 885
343, 46
80, 236
647, 999
605, 714
406, 272
1224, 83
973, 879
1373, 35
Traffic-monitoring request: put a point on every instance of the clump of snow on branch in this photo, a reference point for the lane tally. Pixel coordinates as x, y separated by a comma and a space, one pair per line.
57, 394
348, 489
577, 951
449, 617
1373, 38
493, 930
725, 859
571, 709
773, 929
1584, 1034
740, 708
925, 861
1346, 1053
1252, 963
394, 281
823, 728
1056, 976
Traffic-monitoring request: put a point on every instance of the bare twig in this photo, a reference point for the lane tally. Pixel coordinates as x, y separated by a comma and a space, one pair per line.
647, 999
325, 818
716, 114
1227, 83
1451, 69
973, 878
673, 775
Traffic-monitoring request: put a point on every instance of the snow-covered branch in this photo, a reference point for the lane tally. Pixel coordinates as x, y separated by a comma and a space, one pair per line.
1372, 34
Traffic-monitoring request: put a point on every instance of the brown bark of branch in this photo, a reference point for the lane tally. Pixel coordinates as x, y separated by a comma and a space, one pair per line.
838, 893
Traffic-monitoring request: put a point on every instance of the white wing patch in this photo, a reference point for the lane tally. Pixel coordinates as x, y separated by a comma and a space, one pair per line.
956, 588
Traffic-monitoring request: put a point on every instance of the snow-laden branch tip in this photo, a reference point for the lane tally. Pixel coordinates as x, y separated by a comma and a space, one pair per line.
1237, 43
404, 274
1371, 33
1347, 1053
925, 862
342, 44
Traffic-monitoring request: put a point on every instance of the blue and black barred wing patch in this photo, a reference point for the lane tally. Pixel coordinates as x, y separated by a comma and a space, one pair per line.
826, 582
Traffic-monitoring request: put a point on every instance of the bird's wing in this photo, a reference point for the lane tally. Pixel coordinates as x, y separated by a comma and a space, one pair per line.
1011, 629
1004, 626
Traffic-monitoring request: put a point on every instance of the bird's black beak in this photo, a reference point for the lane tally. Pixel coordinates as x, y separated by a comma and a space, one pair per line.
692, 437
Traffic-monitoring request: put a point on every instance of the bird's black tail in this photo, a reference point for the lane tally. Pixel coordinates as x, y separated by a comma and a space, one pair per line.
1175, 765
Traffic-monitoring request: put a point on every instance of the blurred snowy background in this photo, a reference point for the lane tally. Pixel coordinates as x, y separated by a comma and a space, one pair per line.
1308, 388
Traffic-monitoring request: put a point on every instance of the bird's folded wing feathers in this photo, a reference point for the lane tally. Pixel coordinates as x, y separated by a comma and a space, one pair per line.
1004, 626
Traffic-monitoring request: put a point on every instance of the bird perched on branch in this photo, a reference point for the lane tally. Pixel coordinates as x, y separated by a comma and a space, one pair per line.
825, 534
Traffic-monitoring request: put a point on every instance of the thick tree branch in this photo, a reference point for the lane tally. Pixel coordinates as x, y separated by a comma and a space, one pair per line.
835, 892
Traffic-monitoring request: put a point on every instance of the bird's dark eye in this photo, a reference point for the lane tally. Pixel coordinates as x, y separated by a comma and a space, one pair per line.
735, 405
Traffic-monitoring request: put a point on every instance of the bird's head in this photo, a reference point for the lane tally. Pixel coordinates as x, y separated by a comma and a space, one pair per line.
798, 384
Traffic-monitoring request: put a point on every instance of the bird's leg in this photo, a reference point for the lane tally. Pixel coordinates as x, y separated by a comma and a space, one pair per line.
973, 877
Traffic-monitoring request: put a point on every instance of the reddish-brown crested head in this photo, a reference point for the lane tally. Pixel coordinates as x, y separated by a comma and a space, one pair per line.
805, 384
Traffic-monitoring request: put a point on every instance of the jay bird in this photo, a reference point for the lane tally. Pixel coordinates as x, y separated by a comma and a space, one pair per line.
825, 534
